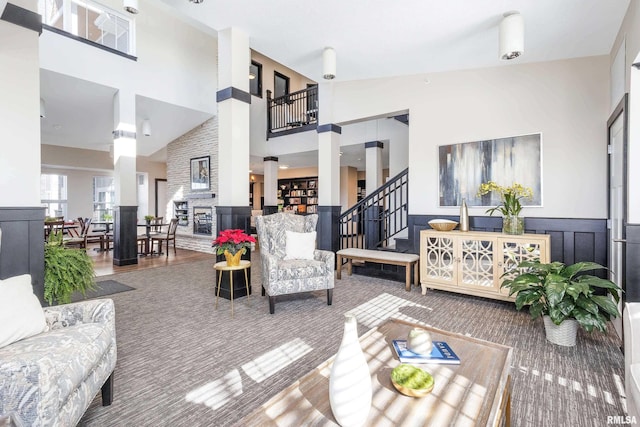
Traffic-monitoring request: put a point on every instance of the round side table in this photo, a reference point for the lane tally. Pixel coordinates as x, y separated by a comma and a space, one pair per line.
222, 267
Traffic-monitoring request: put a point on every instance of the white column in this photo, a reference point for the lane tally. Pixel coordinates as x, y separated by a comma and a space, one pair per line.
20, 117
270, 181
329, 167
373, 164
233, 117
124, 148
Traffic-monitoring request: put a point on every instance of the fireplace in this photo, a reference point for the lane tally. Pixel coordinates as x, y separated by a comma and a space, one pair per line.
202, 221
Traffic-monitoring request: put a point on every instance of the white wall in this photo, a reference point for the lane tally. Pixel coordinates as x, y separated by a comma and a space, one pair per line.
175, 62
566, 101
80, 166
630, 34
19, 117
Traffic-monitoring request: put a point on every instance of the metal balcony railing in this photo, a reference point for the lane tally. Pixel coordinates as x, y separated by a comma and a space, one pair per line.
294, 112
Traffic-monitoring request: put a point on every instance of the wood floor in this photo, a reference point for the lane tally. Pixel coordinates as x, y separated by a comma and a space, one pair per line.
103, 260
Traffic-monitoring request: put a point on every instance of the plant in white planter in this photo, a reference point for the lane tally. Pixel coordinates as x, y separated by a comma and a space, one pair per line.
565, 297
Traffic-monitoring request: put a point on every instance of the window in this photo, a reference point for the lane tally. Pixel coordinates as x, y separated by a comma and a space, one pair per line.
280, 85
89, 20
103, 197
255, 83
53, 194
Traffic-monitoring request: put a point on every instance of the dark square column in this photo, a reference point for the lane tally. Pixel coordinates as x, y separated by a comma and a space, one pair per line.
125, 235
234, 217
328, 228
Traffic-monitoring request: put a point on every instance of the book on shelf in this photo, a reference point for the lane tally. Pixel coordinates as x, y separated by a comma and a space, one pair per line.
441, 353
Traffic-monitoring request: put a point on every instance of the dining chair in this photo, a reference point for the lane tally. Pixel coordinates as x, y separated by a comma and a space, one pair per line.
156, 226
79, 241
52, 227
170, 236
94, 235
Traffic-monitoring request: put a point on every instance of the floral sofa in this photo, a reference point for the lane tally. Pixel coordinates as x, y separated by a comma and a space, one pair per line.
51, 378
283, 274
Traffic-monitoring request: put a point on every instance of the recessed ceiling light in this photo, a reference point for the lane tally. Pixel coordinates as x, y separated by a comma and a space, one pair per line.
250, 170
283, 167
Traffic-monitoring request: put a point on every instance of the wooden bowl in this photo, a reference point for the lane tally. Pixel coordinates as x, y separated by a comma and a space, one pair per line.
411, 380
443, 224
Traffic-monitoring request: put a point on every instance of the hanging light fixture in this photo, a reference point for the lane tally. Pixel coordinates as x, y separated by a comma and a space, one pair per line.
43, 112
328, 63
146, 127
131, 6
511, 35
196, 1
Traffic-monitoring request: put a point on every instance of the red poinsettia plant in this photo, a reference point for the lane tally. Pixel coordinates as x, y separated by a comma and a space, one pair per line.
232, 240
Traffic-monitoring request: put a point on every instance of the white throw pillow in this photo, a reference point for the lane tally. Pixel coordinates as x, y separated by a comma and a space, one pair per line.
300, 245
21, 314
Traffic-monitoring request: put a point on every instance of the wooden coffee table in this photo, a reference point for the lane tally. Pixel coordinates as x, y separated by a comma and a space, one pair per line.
475, 393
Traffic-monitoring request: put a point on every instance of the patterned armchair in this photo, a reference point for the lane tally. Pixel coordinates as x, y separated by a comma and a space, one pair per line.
51, 378
281, 276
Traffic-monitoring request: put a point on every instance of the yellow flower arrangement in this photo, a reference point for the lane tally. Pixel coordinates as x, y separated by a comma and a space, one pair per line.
510, 197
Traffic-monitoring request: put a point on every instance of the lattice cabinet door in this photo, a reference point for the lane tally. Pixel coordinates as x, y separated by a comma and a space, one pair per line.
477, 265
438, 258
517, 249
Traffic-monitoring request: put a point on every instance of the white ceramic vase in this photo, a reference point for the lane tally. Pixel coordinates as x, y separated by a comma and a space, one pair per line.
350, 380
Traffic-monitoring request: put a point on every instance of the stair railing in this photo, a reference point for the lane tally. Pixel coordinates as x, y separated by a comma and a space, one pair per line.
374, 220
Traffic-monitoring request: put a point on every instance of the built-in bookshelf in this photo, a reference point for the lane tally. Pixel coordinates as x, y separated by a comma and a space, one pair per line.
181, 211
362, 189
298, 195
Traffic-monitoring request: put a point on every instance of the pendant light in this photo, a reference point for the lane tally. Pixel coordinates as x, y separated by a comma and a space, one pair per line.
511, 36
146, 127
329, 63
131, 6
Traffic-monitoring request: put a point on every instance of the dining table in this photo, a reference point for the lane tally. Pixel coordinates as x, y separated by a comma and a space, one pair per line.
148, 226
107, 225
67, 227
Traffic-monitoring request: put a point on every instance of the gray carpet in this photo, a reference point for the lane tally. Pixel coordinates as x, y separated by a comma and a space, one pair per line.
103, 288
183, 363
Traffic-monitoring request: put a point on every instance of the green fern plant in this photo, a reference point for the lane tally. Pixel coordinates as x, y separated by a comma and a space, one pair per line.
66, 271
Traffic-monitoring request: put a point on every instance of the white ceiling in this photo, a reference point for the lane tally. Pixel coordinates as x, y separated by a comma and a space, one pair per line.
378, 38
372, 39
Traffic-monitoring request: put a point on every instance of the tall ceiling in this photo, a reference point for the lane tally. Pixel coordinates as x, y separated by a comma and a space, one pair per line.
372, 39
380, 38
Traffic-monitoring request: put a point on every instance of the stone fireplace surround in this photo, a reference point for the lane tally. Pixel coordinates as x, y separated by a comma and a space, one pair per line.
200, 141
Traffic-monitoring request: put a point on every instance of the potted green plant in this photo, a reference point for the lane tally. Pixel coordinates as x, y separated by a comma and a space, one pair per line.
148, 218
565, 297
510, 204
66, 271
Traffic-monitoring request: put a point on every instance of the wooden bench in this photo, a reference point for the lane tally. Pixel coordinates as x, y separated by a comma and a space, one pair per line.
380, 257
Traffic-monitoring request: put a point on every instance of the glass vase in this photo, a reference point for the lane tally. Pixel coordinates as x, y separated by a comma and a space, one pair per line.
512, 224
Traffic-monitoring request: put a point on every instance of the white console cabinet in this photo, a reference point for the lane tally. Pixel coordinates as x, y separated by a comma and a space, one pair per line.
473, 262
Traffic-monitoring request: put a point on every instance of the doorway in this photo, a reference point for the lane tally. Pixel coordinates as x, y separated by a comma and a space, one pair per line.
161, 199
617, 211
